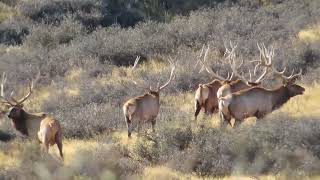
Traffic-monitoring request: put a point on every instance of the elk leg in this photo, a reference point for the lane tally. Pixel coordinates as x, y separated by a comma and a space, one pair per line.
58, 140
206, 109
260, 115
153, 124
46, 145
139, 127
198, 108
224, 121
237, 123
129, 126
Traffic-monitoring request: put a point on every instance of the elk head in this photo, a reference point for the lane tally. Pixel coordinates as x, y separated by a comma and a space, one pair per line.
266, 57
15, 107
289, 82
157, 90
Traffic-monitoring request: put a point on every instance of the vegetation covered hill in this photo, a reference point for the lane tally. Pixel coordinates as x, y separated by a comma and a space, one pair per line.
85, 49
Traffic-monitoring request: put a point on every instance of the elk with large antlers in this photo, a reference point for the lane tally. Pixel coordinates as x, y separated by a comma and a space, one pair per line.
145, 108
258, 102
242, 82
35, 125
206, 94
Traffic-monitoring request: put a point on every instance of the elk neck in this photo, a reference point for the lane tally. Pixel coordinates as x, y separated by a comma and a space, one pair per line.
154, 93
237, 85
20, 123
280, 97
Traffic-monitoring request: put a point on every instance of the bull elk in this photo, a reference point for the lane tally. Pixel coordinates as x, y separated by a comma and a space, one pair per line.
35, 125
145, 108
258, 102
206, 94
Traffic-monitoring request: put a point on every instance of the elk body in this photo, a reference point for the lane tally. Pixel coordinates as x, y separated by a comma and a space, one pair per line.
206, 96
145, 108
256, 101
34, 125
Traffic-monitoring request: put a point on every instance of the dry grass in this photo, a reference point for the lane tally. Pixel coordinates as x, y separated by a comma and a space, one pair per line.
304, 106
310, 35
92, 155
84, 87
6, 12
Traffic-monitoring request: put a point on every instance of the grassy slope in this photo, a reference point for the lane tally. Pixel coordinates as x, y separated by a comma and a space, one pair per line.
77, 152
110, 155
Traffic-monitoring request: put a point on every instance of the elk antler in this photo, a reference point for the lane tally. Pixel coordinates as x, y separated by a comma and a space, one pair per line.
133, 68
234, 69
289, 78
31, 85
136, 62
209, 70
2, 95
266, 57
200, 55
230, 53
171, 74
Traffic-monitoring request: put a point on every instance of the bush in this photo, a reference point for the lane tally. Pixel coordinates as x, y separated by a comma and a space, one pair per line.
13, 32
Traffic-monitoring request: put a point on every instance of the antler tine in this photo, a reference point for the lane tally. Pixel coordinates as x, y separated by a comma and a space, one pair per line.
173, 66
229, 78
2, 95
231, 54
31, 85
250, 76
136, 62
262, 75
227, 51
280, 73
204, 60
289, 78
292, 76
240, 63
4, 79
265, 59
200, 55
209, 70
296, 75
234, 68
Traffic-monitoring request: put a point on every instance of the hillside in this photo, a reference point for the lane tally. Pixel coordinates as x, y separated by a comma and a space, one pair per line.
85, 51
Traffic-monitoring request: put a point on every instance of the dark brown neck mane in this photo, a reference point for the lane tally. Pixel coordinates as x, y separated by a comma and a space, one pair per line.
238, 85
280, 97
20, 123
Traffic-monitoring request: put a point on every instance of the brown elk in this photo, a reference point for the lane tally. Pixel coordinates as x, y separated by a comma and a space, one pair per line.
145, 108
258, 102
35, 125
206, 94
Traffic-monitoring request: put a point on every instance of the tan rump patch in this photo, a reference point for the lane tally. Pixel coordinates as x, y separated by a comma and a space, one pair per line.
224, 103
202, 93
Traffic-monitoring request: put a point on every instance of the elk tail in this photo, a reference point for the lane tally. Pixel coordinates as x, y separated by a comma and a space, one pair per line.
129, 110
199, 93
